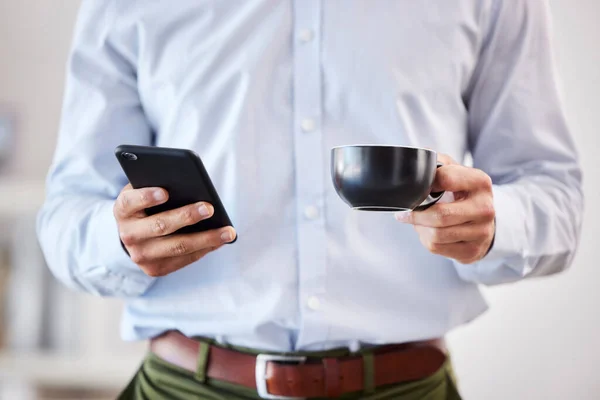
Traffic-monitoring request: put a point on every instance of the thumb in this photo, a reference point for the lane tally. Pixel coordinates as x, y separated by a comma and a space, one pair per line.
446, 159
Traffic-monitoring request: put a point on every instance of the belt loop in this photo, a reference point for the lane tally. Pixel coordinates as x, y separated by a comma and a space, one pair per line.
202, 362
368, 373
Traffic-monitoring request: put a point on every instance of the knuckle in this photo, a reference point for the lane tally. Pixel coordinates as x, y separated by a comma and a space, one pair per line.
137, 256
153, 271
471, 252
490, 231
486, 180
179, 248
487, 209
187, 216
159, 226
432, 247
485, 231
127, 238
468, 260
122, 204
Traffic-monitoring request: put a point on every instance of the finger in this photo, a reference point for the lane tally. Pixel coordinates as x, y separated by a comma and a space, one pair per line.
458, 178
165, 223
164, 267
133, 201
180, 245
441, 215
463, 252
454, 234
476, 208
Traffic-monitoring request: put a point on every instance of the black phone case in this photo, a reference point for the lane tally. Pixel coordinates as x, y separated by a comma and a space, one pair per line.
179, 171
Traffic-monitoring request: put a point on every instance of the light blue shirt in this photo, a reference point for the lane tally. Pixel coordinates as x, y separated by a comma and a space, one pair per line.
262, 90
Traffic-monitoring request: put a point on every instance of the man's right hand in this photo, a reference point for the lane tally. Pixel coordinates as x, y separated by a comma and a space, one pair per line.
149, 239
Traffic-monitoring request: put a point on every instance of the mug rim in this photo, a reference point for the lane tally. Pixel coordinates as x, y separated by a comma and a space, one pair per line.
391, 146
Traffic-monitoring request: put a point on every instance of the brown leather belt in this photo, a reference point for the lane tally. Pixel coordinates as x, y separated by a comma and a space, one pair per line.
282, 377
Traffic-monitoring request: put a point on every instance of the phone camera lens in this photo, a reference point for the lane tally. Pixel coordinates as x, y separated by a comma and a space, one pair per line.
129, 156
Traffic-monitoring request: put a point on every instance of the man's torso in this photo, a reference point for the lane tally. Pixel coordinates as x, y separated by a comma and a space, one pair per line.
262, 90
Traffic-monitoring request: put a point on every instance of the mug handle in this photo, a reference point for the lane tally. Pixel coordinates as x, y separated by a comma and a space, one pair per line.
433, 197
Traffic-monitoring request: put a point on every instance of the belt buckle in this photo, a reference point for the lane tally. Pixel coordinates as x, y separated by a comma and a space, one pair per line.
261, 372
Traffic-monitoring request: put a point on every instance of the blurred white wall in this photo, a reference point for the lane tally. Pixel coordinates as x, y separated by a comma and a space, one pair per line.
34, 41
540, 340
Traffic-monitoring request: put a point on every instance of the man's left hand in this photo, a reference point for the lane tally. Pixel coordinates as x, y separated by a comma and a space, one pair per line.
464, 229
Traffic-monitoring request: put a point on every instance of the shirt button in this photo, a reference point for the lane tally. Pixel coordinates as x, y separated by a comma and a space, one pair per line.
308, 125
311, 212
305, 35
314, 303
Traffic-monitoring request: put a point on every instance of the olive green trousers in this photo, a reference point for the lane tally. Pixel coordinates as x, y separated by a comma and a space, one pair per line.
158, 379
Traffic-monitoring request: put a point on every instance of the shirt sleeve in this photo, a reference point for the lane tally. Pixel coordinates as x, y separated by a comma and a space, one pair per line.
76, 228
518, 135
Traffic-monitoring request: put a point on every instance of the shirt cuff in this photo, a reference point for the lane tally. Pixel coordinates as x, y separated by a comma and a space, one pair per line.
511, 236
120, 276
506, 261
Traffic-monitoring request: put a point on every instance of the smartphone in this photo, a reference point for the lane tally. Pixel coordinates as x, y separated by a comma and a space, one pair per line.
181, 173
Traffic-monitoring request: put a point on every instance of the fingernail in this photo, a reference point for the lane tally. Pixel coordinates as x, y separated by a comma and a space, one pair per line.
159, 195
403, 216
203, 210
226, 236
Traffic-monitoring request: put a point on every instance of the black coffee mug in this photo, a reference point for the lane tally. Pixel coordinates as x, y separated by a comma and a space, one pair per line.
385, 178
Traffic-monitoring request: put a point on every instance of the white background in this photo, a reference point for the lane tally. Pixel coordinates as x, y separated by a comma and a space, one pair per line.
540, 340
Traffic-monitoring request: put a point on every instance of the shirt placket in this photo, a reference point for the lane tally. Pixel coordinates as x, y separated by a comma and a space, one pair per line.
309, 166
